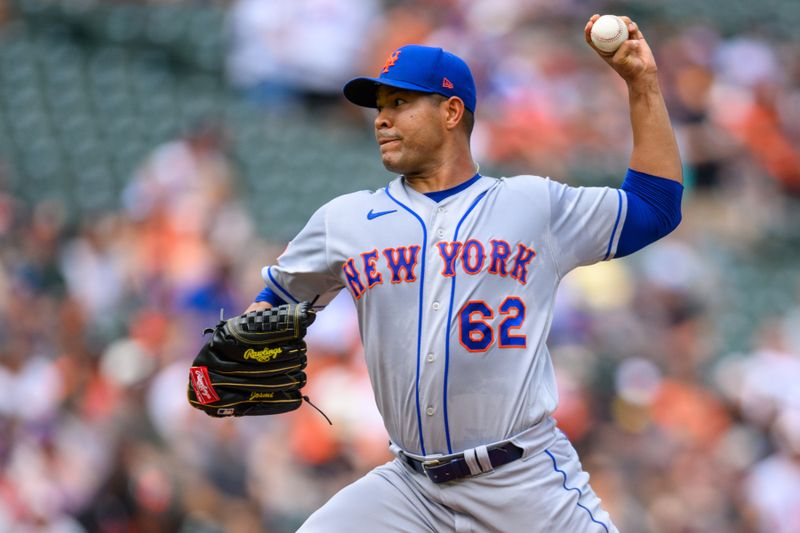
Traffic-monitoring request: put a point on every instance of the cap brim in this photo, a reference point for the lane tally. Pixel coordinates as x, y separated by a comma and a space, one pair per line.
363, 91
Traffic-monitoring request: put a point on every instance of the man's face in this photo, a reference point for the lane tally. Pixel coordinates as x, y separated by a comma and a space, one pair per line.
409, 129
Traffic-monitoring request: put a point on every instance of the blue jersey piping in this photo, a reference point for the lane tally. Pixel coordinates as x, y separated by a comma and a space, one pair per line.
278, 285
419, 325
564, 484
616, 223
449, 322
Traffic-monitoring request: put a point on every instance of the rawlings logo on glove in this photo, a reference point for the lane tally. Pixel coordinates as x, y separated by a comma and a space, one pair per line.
262, 356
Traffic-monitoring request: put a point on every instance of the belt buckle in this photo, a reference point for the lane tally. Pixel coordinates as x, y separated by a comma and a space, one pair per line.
430, 463
430, 468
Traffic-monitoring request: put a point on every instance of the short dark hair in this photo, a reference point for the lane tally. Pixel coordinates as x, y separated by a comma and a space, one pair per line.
468, 121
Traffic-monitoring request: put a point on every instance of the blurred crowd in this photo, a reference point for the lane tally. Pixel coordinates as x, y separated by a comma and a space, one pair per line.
104, 311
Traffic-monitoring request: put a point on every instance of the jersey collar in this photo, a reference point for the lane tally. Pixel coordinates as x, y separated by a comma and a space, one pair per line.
438, 196
400, 186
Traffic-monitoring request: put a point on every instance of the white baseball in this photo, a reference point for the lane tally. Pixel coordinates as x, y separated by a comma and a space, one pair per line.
608, 33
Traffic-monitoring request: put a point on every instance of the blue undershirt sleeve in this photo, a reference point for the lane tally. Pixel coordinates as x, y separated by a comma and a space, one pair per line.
270, 297
654, 210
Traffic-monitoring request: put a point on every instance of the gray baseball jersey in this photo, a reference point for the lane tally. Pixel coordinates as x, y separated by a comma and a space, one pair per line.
454, 298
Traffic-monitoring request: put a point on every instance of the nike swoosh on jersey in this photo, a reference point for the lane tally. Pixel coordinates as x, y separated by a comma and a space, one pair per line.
372, 215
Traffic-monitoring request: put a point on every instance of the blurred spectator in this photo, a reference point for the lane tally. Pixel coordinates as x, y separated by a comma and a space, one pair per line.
687, 62
185, 180
93, 267
754, 82
769, 378
771, 486
282, 52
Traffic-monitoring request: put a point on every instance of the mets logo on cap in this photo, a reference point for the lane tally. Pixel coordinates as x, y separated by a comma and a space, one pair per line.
391, 60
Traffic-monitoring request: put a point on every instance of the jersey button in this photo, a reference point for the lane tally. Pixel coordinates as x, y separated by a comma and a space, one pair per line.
440, 233
430, 410
436, 306
431, 358
442, 210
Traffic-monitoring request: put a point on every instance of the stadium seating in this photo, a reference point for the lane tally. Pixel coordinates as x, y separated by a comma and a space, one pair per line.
90, 88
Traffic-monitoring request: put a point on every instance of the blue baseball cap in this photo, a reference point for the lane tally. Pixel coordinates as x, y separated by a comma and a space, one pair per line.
417, 68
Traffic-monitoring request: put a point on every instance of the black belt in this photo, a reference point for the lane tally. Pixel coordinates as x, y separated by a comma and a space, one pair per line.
456, 467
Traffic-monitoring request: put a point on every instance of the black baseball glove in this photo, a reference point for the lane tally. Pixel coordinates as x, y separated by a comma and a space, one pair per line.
253, 364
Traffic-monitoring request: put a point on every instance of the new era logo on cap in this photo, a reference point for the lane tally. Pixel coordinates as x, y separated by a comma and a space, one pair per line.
417, 68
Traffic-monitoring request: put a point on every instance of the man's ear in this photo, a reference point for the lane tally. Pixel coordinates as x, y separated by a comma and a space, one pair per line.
453, 109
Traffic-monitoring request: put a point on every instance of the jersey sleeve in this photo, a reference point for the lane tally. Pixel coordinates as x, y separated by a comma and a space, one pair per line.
585, 223
303, 271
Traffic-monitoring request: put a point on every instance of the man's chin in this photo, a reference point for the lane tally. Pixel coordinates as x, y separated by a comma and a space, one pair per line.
392, 165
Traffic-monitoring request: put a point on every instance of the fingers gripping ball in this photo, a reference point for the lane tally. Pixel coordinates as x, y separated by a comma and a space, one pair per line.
253, 364
608, 33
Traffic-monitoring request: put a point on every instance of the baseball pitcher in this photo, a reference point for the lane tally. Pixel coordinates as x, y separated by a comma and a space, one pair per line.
454, 276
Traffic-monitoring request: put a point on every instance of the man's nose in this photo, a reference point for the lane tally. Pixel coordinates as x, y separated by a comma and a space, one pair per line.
382, 120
